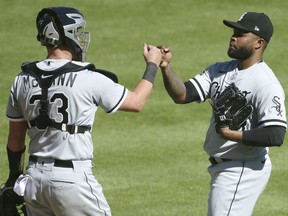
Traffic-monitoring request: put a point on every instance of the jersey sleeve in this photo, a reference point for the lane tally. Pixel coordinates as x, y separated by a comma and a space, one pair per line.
271, 106
202, 83
13, 110
112, 95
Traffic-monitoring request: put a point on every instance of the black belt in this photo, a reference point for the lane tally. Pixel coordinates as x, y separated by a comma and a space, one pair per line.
72, 129
213, 161
57, 163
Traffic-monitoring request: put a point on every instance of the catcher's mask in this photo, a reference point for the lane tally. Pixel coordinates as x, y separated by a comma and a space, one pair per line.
65, 26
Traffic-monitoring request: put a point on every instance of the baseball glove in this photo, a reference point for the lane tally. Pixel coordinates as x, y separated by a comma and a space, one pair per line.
231, 109
10, 203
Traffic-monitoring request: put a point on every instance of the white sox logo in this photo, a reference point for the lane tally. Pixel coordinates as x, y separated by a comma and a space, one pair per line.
277, 106
217, 90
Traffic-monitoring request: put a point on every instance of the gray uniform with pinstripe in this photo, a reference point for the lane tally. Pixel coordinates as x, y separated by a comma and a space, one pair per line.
60, 167
239, 172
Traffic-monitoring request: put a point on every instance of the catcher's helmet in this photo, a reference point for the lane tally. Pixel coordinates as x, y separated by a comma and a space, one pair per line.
59, 26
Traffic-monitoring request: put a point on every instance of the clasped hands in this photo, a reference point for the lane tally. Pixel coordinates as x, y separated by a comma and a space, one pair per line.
162, 59
166, 55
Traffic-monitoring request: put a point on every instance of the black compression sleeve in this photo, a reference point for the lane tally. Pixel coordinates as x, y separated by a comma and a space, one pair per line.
16, 166
191, 93
264, 137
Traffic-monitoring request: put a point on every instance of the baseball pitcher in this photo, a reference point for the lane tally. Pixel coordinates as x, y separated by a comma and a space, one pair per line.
248, 115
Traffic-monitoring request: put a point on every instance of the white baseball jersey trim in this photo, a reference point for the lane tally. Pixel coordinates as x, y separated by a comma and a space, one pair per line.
199, 89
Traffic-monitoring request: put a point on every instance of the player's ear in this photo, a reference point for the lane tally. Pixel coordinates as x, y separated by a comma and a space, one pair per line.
260, 42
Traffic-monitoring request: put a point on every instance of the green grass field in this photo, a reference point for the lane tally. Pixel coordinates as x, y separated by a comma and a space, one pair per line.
152, 163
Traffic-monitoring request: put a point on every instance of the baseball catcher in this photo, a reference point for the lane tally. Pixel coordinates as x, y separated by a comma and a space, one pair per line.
231, 109
59, 120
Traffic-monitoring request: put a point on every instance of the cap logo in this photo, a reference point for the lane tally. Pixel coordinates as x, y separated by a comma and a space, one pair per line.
242, 16
256, 28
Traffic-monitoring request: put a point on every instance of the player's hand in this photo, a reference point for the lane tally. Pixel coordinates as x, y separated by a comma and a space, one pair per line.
166, 55
152, 54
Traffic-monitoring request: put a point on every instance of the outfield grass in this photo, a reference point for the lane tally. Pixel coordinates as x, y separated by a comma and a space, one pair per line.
152, 163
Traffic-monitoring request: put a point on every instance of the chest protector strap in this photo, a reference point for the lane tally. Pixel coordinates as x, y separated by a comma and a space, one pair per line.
42, 121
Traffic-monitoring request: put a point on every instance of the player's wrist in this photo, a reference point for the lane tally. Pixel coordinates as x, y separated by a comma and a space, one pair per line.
166, 70
223, 131
164, 64
228, 134
150, 72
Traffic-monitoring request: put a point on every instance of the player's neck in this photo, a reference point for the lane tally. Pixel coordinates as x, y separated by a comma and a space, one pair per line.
59, 54
242, 65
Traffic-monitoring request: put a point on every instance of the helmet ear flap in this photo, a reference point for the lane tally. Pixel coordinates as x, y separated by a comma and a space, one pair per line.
50, 30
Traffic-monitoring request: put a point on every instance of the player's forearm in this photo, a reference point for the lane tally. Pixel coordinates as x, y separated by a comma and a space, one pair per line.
173, 85
16, 150
265, 137
16, 137
144, 88
260, 137
136, 99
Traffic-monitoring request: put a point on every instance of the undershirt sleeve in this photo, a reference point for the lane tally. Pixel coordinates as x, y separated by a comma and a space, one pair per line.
191, 93
264, 137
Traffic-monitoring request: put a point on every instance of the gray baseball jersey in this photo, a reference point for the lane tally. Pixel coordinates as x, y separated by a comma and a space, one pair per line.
74, 96
264, 93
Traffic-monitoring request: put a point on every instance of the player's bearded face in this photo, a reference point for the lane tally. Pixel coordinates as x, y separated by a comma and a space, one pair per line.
239, 53
241, 44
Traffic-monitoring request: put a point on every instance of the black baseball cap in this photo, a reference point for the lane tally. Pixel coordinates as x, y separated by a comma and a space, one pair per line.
257, 23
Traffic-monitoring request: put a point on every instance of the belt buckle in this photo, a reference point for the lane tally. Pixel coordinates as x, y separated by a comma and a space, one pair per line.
76, 129
64, 127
